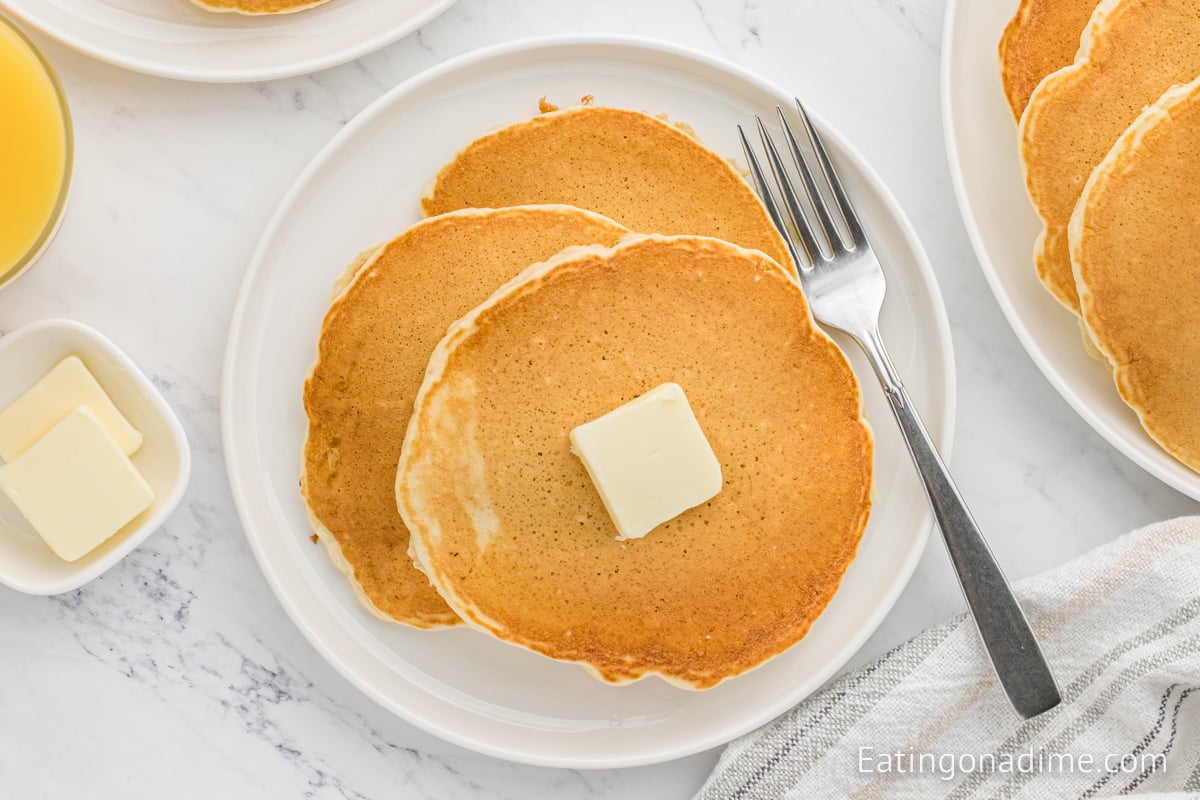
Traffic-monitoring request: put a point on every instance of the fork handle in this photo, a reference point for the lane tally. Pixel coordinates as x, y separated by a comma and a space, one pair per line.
1007, 637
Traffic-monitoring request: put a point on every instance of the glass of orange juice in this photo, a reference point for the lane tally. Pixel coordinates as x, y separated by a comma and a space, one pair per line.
36, 147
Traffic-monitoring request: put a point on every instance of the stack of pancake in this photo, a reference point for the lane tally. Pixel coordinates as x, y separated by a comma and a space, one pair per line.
567, 264
1109, 142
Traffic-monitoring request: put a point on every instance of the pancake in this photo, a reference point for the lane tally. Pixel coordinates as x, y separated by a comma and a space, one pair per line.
510, 528
1134, 243
1132, 51
374, 345
643, 172
1042, 37
1089, 344
258, 7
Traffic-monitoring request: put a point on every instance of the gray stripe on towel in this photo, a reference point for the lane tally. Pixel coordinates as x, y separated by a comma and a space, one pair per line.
801, 738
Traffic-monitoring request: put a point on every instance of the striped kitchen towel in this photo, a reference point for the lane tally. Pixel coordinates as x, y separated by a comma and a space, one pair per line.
1121, 628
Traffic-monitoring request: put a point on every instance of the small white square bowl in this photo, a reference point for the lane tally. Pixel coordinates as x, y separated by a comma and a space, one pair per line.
164, 459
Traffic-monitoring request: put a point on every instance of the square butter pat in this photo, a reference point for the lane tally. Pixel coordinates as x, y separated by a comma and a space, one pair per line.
75, 486
649, 460
66, 387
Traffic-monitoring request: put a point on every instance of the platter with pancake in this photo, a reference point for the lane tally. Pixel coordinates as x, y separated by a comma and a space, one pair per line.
226, 41
1071, 132
473, 292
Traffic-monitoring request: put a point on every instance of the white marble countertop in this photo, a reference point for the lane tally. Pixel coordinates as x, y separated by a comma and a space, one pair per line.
178, 674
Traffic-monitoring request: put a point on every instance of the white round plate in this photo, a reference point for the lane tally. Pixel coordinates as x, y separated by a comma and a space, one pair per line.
176, 39
460, 684
981, 143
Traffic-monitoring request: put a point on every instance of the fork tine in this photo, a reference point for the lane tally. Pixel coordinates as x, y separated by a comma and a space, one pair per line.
810, 187
768, 199
853, 225
791, 202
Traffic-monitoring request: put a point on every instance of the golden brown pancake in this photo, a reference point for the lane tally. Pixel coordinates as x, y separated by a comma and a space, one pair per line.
374, 346
1135, 244
1042, 37
1132, 51
258, 7
511, 530
643, 172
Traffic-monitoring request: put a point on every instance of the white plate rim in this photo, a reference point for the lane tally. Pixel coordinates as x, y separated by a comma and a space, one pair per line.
217, 75
1014, 316
942, 434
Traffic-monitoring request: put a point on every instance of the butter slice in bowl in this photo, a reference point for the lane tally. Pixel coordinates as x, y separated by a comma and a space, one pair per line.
76, 486
649, 460
27, 356
63, 389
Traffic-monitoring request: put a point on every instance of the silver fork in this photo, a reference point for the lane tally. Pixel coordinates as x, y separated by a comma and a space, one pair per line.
844, 285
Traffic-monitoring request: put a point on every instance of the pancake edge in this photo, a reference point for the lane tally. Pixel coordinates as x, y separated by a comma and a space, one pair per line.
1126, 144
246, 13
1028, 121
1018, 21
438, 362
1010, 28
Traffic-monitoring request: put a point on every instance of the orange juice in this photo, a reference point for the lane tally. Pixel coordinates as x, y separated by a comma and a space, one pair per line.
34, 151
